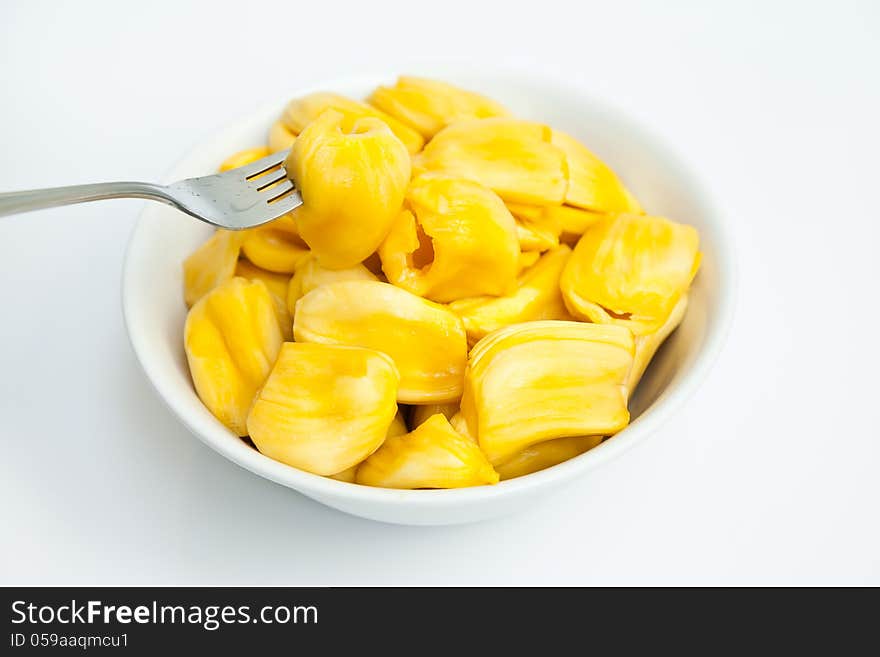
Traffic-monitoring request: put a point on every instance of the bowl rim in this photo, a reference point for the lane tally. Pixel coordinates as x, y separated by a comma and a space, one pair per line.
216, 436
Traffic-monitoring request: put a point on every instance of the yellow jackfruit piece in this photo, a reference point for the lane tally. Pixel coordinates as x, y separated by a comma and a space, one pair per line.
421, 413
514, 158
428, 106
311, 275
455, 240
541, 380
537, 296
281, 137
232, 338
546, 454
591, 183
212, 264
275, 246
397, 428
352, 183
277, 284
648, 344
630, 270
426, 340
244, 157
569, 222
324, 408
536, 230
300, 112
433, 455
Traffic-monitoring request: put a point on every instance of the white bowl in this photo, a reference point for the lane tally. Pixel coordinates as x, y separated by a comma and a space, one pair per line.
155, 313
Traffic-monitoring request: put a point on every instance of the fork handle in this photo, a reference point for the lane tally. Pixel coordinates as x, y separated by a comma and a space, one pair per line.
37, 199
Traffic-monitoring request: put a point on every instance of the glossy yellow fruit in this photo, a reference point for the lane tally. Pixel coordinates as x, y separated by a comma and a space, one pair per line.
546, 454
421, 413
352, 182
512, 157
324, 408
397, 428
232, 338
537, 296
277, 284
568, 222
455, 239
244, 157
591, 183
300, 112
536, 230
537, 381
631, 270
428, 106
281, 137
311, 275
527, 259
433, 455
426, 340
458, 423
276, 246
212, 264
648, 344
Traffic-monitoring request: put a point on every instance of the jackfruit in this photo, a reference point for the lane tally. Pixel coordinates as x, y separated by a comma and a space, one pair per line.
648, 344
300, 112
428, 106
591, 183
421, 413
277, 284
311, 275
541, 380
630, 270
426, 340
232, 338
397, 428
433, 455
455, 239
281, 137
514, 158
537, 296
212, 264
275, 246
546, 454
352, 181
324, 408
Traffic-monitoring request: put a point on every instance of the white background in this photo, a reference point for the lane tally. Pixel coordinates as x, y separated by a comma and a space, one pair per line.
771, 473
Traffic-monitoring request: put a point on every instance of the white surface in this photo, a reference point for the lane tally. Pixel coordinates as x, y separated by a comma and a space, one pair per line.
155, 313
770, 475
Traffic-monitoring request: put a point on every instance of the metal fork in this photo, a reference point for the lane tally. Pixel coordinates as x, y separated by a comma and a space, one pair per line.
240, 198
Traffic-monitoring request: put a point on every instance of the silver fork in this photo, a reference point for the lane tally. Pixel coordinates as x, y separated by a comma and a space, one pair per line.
240, 198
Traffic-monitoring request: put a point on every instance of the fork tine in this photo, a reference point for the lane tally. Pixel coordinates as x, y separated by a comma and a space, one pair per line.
285, 204
272, 180
279, 190
262, 165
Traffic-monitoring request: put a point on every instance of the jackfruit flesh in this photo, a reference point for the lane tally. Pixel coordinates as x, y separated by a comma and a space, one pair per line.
352, 179
428, 106
512, 157
455, 239
324, 408
277, 285
541, 380
212, 264
231, 339
301, 112
630, 270
275, 246
433, 455
541, 456
537, 296
425, 340
311, 275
